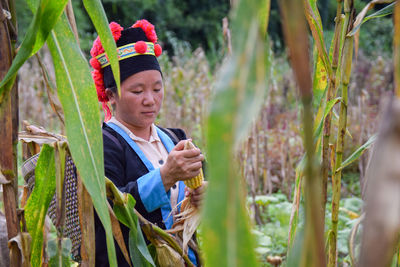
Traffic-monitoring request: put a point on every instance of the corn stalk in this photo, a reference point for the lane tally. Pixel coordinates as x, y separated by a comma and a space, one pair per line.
381, 227
396, 48
347, 57
331, 92
9, 130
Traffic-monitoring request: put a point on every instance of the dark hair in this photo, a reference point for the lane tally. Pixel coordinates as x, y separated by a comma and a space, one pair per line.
113, 89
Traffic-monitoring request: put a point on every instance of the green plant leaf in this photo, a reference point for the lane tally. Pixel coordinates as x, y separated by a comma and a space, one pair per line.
239, 94
315, 24
54, 253
39, 201
356, 154
320, 82
294, 215
47, 14
77, 95
387, 10
360, 19
263, 200
335, 120
138, 250
328, 108
96, 13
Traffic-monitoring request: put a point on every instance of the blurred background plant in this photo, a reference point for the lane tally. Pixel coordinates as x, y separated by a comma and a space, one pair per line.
268, 157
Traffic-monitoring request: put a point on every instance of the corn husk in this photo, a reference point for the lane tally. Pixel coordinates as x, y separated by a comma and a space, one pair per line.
168, 257
186, 222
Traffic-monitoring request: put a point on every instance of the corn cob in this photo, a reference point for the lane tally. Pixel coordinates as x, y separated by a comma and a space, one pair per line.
196, 181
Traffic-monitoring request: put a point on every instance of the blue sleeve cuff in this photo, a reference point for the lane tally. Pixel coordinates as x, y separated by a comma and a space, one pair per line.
151, 190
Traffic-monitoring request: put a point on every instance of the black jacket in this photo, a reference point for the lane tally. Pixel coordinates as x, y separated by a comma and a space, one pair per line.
123, 167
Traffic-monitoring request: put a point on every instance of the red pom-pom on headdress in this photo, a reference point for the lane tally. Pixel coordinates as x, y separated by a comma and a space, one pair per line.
116, 30
148, 29
157, 50
95, 63
141, 47
97, 48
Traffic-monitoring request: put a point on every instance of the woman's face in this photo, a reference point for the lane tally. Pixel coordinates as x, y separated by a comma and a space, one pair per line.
140, 100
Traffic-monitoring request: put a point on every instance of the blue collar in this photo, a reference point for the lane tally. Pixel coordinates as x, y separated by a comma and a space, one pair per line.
167, 142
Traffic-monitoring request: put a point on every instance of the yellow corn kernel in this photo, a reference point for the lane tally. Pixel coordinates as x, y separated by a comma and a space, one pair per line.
196, 181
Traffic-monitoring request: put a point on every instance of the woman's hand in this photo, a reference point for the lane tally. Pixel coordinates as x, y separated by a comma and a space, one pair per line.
197, 195
181, 165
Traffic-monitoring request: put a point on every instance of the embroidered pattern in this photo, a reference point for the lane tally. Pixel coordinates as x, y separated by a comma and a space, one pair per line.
125, 52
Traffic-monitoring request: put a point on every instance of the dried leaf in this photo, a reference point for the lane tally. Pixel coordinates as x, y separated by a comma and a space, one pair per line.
190, 217
23, 241
3, 179
116, 229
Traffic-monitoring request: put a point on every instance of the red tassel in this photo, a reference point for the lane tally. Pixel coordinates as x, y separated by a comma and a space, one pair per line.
107, 112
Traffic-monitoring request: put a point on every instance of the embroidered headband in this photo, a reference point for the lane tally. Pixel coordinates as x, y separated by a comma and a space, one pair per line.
131, 50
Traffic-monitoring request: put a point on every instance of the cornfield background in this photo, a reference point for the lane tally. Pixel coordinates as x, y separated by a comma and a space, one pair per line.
314, 130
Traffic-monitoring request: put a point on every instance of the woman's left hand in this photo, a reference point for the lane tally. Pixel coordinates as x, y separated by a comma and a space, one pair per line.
197, 195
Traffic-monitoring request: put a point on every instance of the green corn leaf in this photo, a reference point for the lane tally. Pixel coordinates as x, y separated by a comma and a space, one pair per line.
335, 120
47, 14
239, 94
77, 95
328, 108
39, 201
387, 10
137, 244
295, 254
96, 13
320, 82
315, 24
138, 250
356, 154
264, 16
294, 216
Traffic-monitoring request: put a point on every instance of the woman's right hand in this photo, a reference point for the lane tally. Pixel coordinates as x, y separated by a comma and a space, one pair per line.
181, 165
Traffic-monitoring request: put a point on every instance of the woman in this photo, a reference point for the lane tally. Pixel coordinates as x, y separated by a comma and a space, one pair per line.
140, 158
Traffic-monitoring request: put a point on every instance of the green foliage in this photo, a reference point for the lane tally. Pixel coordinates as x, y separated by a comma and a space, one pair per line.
44, 20
54, 253
77, 95
277, 216
271, 237
39, 201
139, 253
358, 152
376, 37
99, 18
197, 22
